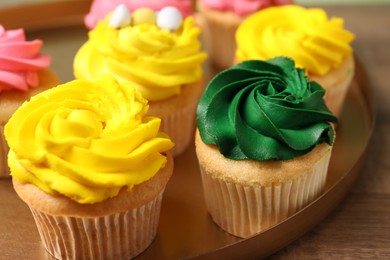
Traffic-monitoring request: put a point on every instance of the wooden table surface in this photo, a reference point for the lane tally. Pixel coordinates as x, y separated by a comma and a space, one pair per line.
359, 228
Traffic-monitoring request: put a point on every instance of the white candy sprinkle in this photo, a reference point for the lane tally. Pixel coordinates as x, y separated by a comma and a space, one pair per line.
121, 17
169, 18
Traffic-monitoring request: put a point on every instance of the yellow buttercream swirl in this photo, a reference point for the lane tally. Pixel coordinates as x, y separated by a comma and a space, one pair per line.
156, 60
86, 140
315, 42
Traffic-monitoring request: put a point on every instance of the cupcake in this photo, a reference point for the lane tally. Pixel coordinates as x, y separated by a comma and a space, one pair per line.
160, 54
317, 43
91, 167
264, 141
100, 8
220, 20
24, 72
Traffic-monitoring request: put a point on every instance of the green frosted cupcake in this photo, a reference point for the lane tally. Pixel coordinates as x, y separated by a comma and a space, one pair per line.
264, 142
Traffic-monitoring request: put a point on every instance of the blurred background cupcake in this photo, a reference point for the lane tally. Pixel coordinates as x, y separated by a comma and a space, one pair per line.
100, 8
24, 72
264, 141
160, 53
220, 19
316, 42
91, 167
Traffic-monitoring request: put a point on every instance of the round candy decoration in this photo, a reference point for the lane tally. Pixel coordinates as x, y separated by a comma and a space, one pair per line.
121, 17
144, 16
169, 18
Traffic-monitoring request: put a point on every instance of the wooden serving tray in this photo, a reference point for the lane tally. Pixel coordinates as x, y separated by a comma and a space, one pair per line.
185, 230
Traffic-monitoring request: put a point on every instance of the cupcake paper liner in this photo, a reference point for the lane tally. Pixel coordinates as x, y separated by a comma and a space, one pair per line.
216, 35
4, 169
335, 96
180, 127
246, 210
118, 236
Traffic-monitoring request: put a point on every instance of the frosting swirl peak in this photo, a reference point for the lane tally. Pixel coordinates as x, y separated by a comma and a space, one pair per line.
20, 60
264, 110
307, 35
158, 61
86, 140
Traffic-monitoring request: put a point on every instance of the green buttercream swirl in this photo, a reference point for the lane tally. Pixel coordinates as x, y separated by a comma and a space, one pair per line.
264, 110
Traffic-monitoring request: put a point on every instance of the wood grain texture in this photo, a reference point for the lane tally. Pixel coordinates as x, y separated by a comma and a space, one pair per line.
355, 230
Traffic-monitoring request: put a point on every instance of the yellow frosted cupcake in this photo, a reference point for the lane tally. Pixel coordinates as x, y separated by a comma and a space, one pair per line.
24, 72
264, 142
91, 167
220, 19
317, 43
160, 54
